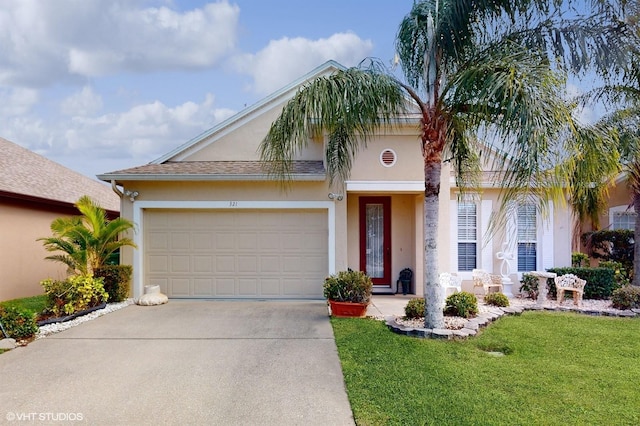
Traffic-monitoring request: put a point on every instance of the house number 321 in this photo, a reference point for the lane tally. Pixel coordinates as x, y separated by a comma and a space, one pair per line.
233, 204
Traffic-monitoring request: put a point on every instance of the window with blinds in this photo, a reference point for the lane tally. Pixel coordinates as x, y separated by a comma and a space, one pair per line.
467, 236
527, 237
624, 220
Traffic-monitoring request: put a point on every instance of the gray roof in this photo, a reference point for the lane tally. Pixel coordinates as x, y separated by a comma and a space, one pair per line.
214, 170
27, 175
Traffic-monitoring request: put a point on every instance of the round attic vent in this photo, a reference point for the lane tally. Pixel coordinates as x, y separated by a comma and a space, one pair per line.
388, 157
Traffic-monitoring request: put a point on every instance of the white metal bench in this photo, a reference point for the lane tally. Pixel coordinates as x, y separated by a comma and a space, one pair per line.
448, 282
570, 282
487, 281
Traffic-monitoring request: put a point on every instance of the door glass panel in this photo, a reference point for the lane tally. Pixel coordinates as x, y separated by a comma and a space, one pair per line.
375, 240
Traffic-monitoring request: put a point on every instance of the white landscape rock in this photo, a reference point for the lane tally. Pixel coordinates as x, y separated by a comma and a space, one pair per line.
7, 343
152, 296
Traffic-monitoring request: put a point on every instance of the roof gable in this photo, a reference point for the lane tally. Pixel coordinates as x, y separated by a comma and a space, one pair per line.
27, 175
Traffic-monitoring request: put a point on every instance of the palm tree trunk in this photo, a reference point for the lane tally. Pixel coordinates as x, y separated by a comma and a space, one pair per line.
433, 316
636, 243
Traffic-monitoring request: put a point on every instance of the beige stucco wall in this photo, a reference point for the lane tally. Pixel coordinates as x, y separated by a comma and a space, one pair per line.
241, 141
22, 263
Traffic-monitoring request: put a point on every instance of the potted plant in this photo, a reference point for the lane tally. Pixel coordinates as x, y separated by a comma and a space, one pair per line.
348, 293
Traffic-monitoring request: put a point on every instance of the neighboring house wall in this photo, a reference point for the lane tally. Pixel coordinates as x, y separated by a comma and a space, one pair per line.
22, 258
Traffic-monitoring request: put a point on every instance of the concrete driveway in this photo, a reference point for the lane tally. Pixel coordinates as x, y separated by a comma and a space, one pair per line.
186, 362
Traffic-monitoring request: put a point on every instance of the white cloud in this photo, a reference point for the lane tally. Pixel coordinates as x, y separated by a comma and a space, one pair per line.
145, 131
17, 101
84, 102
284, 60
42, 42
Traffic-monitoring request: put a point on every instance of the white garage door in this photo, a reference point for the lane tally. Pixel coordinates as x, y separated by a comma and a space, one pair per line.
236, 253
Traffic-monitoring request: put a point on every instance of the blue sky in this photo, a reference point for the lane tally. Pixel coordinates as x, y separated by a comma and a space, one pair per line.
102, 85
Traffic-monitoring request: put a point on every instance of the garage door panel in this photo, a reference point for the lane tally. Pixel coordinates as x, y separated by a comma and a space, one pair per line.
247, 264
248, 287
180, 241
270, 264
180, 264
270, 287
202, 241
203, 287
202, 264
236, 253
158, 264
225, 241
225, 263
179, 287
246, 241
158, 241
225, 287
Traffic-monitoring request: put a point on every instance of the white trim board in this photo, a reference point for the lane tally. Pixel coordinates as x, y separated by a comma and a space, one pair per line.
140, 206
385, 186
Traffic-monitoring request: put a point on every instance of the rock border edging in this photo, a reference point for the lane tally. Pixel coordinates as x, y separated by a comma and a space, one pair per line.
473, 326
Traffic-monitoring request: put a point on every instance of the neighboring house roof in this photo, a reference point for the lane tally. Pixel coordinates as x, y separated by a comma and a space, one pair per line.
28, 176
215, 170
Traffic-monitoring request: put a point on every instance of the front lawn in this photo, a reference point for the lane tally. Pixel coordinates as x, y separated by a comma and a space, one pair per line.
559, 369
35, 304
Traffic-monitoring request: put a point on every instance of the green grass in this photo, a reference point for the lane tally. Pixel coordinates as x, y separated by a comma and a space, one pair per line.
560, 369
35, 304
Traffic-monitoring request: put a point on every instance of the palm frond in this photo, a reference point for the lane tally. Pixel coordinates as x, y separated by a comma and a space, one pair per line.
351, 106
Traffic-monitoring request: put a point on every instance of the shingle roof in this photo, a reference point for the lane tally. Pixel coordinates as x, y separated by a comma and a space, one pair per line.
214, 170
27, 174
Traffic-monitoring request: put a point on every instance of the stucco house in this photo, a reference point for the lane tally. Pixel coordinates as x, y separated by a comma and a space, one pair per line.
33, 192
212, 224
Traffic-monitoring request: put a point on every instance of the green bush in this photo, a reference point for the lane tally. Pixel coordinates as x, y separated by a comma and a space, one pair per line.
348, 286
461, 304
18, 323
600, 281
117, 280
627, 297
579, 260
76, 293
414, 308
620, 273
496, 299
529, 286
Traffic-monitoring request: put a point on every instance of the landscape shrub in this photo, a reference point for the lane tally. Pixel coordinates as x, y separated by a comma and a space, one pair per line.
600, 281
496, 299
627, 297
414, 308
620, 273
116, 279
461, 304
76, 293
579, 260
529, 286
18, 323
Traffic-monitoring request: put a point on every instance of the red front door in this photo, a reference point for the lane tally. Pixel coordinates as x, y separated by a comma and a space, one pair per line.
375, 239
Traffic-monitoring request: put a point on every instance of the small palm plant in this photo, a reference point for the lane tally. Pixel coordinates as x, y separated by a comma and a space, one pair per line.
86, 241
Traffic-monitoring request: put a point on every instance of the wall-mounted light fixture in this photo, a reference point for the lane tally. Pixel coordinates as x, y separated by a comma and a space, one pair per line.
131, 194
334, 196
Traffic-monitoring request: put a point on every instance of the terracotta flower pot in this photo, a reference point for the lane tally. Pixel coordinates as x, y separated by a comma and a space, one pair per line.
348, 309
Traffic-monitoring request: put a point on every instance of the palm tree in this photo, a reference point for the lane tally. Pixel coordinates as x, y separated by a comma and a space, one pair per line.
470, 67
624, 122
86, 241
